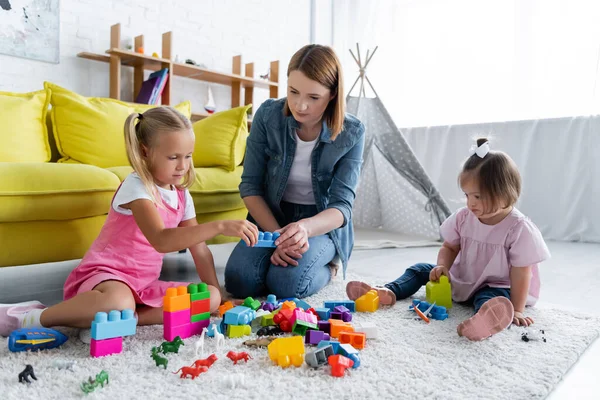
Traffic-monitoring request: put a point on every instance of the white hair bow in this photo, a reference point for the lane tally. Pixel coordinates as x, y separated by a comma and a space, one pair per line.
481, 151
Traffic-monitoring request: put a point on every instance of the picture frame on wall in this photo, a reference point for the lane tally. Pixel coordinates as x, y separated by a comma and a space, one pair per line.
30, 29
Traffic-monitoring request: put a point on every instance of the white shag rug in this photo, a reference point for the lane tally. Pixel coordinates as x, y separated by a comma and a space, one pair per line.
409, 360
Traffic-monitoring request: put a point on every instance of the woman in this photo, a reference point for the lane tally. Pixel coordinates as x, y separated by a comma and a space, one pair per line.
301, 169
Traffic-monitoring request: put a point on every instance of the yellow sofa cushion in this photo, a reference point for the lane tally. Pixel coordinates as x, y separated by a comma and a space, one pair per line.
50, 191
23, 130
221, 139
89, 130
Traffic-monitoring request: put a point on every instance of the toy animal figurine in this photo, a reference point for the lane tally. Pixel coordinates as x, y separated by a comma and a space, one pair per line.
158, 360
172, 346
219, 336
92, 384
235, 357
261, 342
533, 335
64, 364
269, 331
200, 343
207, 362
27, 372
191, 371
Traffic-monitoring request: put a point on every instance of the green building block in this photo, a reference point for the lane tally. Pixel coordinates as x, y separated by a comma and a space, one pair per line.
439, 292
267, 320
251, 303
236, 331
200, 317
300, 327
198, 291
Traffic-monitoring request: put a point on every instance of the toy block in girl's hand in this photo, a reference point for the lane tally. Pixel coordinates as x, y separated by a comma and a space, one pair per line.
440, 292
267, 239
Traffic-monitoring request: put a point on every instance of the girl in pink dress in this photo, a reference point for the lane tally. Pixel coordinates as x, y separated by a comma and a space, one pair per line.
490, 254
152, 213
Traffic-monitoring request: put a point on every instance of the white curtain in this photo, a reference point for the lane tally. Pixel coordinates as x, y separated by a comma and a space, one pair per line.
445, 62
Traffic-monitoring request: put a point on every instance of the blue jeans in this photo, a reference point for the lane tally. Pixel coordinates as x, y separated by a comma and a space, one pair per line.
418, 275
249, 271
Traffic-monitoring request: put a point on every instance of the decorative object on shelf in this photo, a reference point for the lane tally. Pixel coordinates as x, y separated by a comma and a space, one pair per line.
30, 29
265, 76
155, 54
140, 50
210, 102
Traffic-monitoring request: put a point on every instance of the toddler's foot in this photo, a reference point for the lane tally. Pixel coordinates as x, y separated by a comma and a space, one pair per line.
355, 289
20, 315
494, 316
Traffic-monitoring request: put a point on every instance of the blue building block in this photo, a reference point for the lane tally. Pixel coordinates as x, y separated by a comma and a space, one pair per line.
323, 313
437, 312
272, 299
114, 324
347, 350
349, 304
210, 331
239, 315
335, 345
266, 239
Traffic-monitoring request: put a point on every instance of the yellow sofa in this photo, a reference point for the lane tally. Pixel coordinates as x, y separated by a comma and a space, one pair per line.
61, 160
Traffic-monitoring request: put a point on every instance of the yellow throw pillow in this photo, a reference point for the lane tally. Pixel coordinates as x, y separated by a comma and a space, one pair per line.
221, 139
23, 129
89, 130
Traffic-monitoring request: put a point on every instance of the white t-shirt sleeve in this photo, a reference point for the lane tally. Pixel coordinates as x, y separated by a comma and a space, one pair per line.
190, 210
131, 189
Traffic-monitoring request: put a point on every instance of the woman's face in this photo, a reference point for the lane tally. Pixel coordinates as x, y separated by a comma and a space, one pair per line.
306, 98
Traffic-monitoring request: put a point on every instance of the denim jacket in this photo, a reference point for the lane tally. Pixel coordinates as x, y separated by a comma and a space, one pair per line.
336, 166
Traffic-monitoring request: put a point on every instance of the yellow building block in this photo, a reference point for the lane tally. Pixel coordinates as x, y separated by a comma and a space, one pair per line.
439, 292
235, 331
369, 302
287, 351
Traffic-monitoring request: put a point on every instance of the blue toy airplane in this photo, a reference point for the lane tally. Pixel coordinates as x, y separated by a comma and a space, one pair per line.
35, 339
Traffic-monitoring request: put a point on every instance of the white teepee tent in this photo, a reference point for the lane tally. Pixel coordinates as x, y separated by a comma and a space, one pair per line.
394, 194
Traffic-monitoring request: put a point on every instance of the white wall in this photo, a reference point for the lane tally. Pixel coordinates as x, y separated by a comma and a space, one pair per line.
208, 31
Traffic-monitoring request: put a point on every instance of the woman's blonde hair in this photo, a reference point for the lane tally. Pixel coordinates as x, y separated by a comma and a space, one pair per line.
321, 64
141, 130
497, 175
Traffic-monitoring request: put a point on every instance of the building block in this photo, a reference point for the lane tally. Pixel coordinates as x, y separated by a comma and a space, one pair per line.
436, 312
335, 315
256, 322
176, 299
301, 303
267, 306
358, 340
314, 337
335, 345
298, 314
318, 357
339, 364
347, 350
198, 291
236, 331
324, 326
439, 293
288, 305
283, 319
200, 306
339, 326
196, 327
200, 317
100, 348
368, 329
300, 327
183, 331
239, 315
114, 324
369, 302
332, 304
272, 299
266, 239
323, 313
287, 351
346, 316
223, 308
251, 303
210, 330
267, 320
176, 318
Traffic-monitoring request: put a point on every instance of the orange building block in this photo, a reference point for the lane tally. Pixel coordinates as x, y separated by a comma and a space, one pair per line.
358, 340
338, 326
176, 299
224, 307
288, 305
200, 306
368, 302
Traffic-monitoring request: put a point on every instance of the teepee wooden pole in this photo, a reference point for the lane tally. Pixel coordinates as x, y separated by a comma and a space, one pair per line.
355, 59
369, 58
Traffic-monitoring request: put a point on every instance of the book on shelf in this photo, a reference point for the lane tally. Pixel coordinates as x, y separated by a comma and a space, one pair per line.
153, 87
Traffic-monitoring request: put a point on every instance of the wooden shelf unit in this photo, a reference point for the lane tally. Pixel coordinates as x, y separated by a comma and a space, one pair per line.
118, 57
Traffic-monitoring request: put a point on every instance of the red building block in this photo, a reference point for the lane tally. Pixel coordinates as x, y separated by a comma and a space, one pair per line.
339, 364
100, 348
200, 306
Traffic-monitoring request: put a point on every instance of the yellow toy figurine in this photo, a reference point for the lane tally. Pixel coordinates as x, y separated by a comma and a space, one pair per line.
439, 292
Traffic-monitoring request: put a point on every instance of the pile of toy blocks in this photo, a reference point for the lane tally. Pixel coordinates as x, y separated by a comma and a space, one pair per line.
186, 311
108, 331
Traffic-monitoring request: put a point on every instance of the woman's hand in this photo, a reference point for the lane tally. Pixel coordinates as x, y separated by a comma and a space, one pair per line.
521, 320
283, 257
437, 272
294, 238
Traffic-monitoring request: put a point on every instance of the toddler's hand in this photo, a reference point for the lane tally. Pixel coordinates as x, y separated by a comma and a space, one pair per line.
243, 229
521, 320
438, 271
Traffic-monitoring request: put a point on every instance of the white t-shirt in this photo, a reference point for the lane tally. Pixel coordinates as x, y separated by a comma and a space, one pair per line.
299, 188
133, 189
